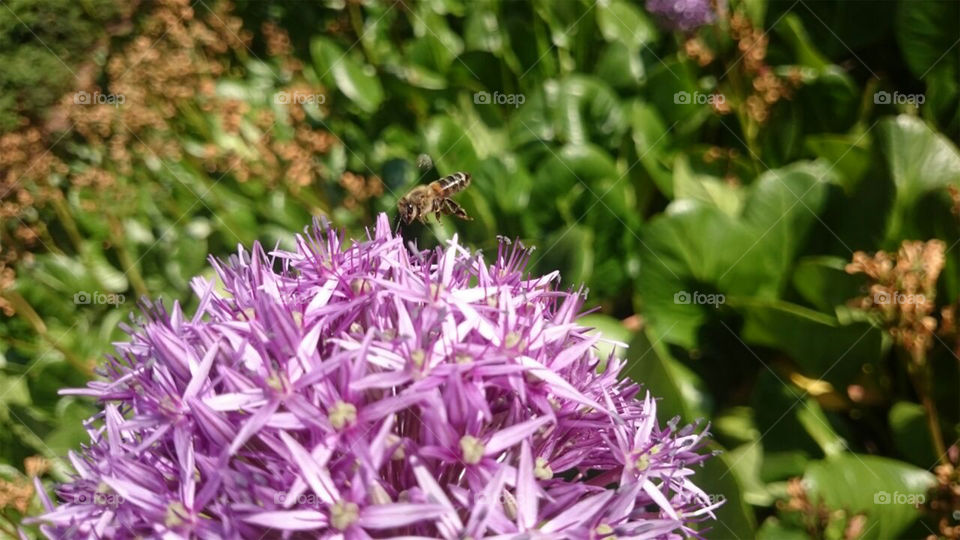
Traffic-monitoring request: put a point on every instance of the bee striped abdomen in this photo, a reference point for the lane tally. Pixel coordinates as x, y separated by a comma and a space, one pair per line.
454, 183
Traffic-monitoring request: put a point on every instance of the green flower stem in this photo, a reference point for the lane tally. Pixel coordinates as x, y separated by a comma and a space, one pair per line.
69, 225
921, 377
25, 310
129, 265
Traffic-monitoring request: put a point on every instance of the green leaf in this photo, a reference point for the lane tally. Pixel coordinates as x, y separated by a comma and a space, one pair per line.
621, 22
697, 248
651, 139
109, 278
569, 250
450, 145
782, 207
745, 463
817, 342
705, 188
584, 110
13, 391
354, 79
620, 67
920, 160
791, 30
926, 31
692, 248
774, 529
610, 329
718, 479
849, 155
877, 486
811, 417
680, 390
910, 434
823, 282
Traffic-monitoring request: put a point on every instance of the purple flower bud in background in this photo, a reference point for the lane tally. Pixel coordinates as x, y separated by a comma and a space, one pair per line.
374, 391
683, 15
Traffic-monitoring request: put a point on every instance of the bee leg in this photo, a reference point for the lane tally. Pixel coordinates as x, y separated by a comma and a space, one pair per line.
454, 209
438, 207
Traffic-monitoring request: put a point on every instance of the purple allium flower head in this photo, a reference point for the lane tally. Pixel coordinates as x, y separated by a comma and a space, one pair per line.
374, 391
683, 15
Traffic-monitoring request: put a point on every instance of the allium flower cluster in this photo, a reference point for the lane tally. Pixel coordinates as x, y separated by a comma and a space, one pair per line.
374, 391
683, 15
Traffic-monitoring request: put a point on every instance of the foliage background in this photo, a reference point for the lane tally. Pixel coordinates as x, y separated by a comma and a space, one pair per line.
238, 123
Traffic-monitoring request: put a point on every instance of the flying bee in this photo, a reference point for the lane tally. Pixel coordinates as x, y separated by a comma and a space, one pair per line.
434, 197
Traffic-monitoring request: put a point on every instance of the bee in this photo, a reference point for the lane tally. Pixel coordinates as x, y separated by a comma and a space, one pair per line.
434, 197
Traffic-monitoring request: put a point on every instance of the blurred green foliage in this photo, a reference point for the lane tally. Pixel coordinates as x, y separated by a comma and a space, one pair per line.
43, 43
571, 118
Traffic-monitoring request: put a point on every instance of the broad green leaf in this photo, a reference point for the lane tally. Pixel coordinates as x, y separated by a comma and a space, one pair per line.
621, 22
817, 342
774, 529
926, 31
884, 489
69, 432
609, 329
354, 79
651, 138
920, 160
705, 188
745, 462
697, 248
583, 110
736, 424
13, 391
620, 67
569, 250
811, 417
823, 282
680, 390
792, 31
782, 206
910, 433
848, 154
718, 479
448, 142
110, 279
569, 177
